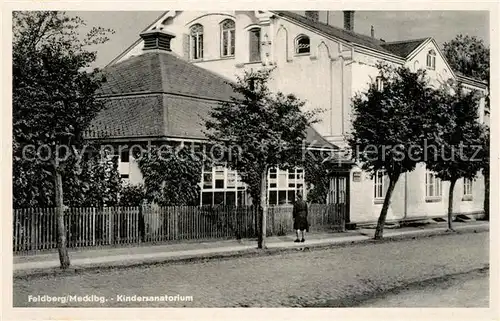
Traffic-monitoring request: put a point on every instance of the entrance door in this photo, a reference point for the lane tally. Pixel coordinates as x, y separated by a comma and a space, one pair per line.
339, 194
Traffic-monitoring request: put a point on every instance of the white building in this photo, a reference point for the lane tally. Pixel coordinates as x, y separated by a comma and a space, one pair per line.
324, 65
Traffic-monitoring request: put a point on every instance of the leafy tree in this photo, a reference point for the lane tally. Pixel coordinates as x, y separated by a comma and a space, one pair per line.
132, 195
171, 175
96, 184
469, 56
453, 153
317, 177
258, 130
390, 126
53, 97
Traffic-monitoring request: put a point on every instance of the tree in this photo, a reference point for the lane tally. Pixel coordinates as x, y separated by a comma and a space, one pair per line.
172, 174
53, 97
97, 183
390, 126
471, 57
256, 131
453, 153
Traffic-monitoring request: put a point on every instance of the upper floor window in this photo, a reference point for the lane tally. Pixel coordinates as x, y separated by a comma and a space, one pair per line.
196, 32
254, 44
379, 185
431, 60
432, 185
302, 45
228, 38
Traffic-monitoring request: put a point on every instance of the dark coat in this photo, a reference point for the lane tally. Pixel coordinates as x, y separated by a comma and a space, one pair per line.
300, 216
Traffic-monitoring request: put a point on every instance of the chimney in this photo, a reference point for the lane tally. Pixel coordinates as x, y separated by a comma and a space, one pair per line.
313, 15
373, 32
349, 20
157, 39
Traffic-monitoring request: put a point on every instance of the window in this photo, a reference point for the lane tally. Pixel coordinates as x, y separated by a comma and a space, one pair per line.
222, 186
283, 185
431, 60
467, 190
196, 41
228, 38
124, 164
379, 185
255, 45
380, 83
302, 45
432, 185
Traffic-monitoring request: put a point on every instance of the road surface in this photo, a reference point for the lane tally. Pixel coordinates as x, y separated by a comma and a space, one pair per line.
468, 290
322, 278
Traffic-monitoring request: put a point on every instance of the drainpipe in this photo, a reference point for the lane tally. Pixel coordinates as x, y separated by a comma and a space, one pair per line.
342, 92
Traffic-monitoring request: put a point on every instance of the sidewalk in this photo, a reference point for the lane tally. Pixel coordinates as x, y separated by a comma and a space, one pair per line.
83, 259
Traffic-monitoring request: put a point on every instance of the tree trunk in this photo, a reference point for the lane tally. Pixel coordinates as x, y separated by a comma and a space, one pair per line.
379, 231
61, 229
486, 204
450, 204
261, 244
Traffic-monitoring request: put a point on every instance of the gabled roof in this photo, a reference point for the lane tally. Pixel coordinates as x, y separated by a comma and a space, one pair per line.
348, 36
405, 47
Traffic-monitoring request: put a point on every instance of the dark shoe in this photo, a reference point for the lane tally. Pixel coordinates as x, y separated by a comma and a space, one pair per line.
303, 240
297, 241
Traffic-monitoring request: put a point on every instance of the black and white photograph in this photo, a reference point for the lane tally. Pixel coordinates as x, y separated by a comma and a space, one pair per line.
251, 159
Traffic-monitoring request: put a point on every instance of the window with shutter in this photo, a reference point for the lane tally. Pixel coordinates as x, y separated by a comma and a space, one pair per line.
185, 46
255, 45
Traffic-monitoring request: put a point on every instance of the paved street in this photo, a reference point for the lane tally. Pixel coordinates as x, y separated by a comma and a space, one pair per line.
470, 290
333, 277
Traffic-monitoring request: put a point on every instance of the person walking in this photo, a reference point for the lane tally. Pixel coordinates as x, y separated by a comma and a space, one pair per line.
300, 223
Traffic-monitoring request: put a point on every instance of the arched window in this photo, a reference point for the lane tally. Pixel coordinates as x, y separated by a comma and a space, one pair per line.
228, 38
431, 60
254, 35
196, 32
302, 44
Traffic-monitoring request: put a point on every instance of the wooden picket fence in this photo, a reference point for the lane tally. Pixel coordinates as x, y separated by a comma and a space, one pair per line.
35, 229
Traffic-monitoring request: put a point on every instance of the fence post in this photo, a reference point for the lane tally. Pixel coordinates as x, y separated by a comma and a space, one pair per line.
93, 226
342, 218
176, 223
110, 225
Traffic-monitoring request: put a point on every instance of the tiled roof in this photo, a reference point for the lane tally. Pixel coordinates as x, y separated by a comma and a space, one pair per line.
157, 95
403, 48
157, 72
399, 48
161, 116
129, 116
340, 33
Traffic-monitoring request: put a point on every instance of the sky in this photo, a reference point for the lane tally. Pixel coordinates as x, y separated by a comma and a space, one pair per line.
389, 25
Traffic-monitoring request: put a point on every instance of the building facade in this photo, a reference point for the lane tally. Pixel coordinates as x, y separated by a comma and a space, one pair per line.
326, 65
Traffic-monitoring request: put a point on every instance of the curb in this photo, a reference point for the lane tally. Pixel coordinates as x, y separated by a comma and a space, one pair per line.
43, 272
